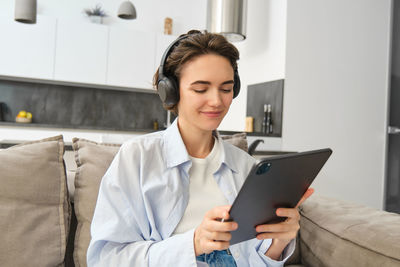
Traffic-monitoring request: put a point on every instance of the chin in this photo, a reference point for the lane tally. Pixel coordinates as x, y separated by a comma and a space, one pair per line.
211, 125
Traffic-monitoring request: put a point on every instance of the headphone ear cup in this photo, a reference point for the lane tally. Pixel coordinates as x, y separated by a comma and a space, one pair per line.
236, 85
168, 91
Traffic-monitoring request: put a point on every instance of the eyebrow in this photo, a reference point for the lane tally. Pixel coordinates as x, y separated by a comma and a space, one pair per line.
208, 83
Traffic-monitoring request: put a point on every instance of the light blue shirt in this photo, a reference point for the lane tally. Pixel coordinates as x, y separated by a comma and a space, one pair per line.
143, 196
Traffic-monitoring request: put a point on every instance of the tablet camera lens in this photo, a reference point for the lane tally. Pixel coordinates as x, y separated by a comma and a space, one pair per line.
263, 168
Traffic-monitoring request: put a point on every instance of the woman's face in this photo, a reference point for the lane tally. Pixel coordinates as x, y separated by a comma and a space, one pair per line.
206, 92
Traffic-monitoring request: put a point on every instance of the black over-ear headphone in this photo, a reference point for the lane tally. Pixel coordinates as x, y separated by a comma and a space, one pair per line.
168, 87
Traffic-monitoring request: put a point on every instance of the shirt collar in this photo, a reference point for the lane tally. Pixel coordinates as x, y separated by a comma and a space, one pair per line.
174, 149
176, 153
227, 153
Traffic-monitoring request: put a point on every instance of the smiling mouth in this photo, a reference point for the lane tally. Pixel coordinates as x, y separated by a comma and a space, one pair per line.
212, 114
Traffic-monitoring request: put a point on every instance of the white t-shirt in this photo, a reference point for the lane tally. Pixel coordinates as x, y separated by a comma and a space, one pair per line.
204, 193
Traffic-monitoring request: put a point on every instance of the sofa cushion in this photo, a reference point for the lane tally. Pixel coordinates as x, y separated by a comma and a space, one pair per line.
93, 160
336, 233
238, 139
34, 206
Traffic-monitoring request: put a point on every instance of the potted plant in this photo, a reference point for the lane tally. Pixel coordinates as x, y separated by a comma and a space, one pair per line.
95, 14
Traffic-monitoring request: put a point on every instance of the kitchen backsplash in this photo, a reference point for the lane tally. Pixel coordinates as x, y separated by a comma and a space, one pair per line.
81, 107
266, 93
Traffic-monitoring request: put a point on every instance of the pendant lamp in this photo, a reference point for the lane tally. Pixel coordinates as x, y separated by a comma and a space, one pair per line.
227, 17
127, 10
25, 11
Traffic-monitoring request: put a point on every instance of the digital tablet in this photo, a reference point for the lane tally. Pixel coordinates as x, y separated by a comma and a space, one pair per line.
274, 182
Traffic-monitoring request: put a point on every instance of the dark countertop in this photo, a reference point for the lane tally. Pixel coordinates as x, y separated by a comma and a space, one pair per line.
250, 133
75, 127
78, 127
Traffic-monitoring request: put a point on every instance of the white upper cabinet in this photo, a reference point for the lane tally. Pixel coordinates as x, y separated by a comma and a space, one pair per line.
131, 58
81, 52
163, 41
78, 52
27, 50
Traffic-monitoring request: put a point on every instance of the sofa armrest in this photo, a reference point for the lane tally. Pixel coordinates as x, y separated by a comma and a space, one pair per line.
337, 233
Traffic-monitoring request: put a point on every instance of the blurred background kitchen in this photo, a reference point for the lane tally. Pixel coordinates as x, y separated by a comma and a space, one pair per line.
327, 69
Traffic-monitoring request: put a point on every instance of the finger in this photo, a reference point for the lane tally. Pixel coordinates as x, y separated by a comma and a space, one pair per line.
289, 213
282, 235
218, 236
306, 195
278, 227
275, 228
210, 246
220, 212
217, 226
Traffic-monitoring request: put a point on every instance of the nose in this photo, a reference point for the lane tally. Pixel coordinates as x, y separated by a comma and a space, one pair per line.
215, 98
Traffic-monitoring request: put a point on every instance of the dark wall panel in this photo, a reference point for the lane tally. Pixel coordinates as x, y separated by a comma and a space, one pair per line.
81, 107
266, 93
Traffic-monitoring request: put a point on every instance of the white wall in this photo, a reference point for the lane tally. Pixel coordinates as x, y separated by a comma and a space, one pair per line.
186, 14
262, 54
337, 70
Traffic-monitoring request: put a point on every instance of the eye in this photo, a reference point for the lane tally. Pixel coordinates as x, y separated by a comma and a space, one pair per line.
227, 91
199, 88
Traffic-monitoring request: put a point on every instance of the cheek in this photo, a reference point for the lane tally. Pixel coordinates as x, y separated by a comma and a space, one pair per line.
189, 102
228, 100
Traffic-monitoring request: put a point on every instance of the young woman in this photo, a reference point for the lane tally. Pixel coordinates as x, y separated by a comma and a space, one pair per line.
162, 200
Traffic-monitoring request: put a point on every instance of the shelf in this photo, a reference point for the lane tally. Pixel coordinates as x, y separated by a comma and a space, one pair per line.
250, 133
76, 127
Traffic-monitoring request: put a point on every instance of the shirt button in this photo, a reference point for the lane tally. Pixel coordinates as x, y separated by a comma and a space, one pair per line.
236, 255
230, 193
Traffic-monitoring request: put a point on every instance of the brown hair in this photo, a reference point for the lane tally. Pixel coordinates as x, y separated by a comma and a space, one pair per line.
195, 44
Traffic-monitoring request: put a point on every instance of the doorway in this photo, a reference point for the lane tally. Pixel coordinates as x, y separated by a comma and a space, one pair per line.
392, 202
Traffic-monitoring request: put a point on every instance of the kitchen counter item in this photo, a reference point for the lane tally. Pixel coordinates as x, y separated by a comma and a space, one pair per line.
249, 124
23, 120
253, 146
2, 110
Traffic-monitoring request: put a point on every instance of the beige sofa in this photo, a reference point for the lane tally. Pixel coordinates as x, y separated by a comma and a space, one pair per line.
45, 220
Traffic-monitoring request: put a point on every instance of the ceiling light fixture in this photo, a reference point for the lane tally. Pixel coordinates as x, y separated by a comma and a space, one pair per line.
25, 11
127, 10
227, 17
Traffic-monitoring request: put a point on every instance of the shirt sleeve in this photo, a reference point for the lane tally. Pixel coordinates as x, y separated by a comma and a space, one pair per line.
120, 228
287, 252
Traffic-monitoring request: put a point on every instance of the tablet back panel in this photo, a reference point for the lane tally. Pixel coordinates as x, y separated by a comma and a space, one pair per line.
274, 182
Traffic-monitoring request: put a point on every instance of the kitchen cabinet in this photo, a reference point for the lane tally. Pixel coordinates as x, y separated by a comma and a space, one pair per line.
131, 58
81, 52
27, 50
77, 52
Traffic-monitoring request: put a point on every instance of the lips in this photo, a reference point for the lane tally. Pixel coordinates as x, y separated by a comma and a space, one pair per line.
212, 114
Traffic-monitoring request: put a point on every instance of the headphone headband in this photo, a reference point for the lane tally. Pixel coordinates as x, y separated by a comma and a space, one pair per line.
167, 53
168, 88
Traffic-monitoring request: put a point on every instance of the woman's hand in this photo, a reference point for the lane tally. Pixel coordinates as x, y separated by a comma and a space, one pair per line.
212, 234
282, 233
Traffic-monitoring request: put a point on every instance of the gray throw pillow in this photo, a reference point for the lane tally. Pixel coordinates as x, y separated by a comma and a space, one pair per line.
93, 160
238, 139
34, 206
